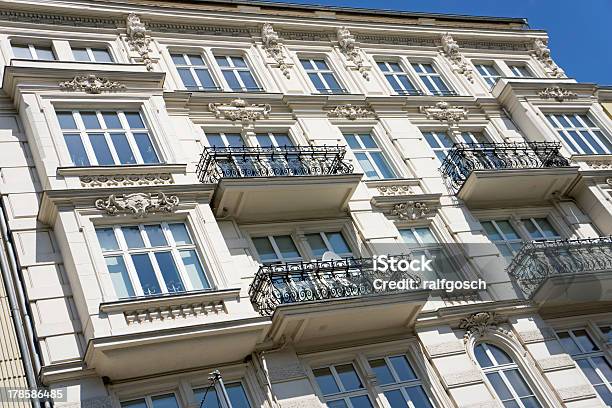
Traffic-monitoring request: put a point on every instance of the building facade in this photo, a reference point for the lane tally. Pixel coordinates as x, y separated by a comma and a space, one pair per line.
193, 186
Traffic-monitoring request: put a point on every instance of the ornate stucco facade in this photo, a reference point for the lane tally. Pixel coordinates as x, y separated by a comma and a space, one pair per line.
172, 174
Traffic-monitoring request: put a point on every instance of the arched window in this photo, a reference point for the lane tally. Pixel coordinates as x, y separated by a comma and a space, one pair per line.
504, 376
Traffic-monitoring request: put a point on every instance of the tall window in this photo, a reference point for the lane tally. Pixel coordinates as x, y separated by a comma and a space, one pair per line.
369, 155
321, 75
273, 139
224, 140
235, 392
540, 229
151, 259
580, 134
488, 73
520, 71
432, 80
322, 242
397, 78
505, 377
276, 249
504, 236
341, 387
194, 72
156, 401
422, 241
33, 52
106, 138
591, 360
441, 142
237, 73
92, 54
399, 383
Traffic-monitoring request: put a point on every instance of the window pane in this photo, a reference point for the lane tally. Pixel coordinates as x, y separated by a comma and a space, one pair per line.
482, 357
507, 229
518, 383
132, 237
45, 53
317, 82
155, 235
402, 368
165, 401
238, 62
499, 355
530, 402
76, 150
211, 400
286, 247
382, 372
499, 386
106, 239
337, 242
317, 245
205, 78
602, 364
90, 120
283, 140
22, 52
111, 120
605, 394
248, 80
326, 381
122, 147
134, 404
102, 55
101, 149
187, 78
264, 249
351, 140
348, 377
134, 120
237, 396
366, 166
425, 235
264, 140
119, 277
80, 54
180, 233
361, 402
588, 371
381, 162
194, 270
418, 397
584, 341
146, 275
143, 141
396, 399
169, 272
332, 83
336, 404
231, 80
66, 120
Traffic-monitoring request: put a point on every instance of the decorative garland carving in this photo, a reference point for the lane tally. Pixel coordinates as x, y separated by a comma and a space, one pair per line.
274, 49
350, 49
412, 210
238, 109
125, 180
444, 112
542, 53
139, 40
557, 93
91, 84
175, 312
394, 190
479, 324
139, 204
351, 112
450, 48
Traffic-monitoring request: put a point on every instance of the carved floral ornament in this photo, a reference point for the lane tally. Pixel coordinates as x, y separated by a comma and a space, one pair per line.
557, 93
138, 204
450, 49
410, 210
239, 110
138, 39
444, 112
351, 112
479, 324
352, 52
274, 49
542, 53
91, 84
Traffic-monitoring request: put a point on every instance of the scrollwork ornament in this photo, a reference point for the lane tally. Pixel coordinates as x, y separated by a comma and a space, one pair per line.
451, 50
91, 84
411, 210
138, 204
479, 324
274, 49
139, 40
352, 52
351, 112
444, 112
557, 93
542, 53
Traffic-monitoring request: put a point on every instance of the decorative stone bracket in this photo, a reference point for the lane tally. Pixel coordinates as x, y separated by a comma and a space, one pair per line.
91, 84
405, 201
239, 110
275, 49
351, 112
481, 323
542, 53
349, 47
444, 112
139, 40
451, 50
557, 93
138, 204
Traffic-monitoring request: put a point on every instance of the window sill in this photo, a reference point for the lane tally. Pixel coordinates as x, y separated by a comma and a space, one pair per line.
122, 170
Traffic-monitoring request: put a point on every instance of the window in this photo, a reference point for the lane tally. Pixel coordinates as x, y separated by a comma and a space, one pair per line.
276, 249
341, 387
591, 360
159, 401
400, 385
441, 142
193, 71
91, 54
520, 71
106, 138
273, 139
422, 241
369, 155
432, 80
237, 73
580, 134
33, 52
151, 259
398, 79
504, 377
488, 73
539, 229
509, 240
235, 392
322, 76
224, 140
607, 331
322, 242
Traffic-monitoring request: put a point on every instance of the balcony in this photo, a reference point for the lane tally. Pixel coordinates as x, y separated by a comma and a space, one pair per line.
492, 173
270, 183
565, 271
320, 300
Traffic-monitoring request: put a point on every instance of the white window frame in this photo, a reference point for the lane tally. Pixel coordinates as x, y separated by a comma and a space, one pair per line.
570, 142
396, 74
224, 138
227, 384
465, 134
506, 241
343, 394
323, 235
83, 132
192, 68
489, 77
423, 76
272, 136
368, 150
536, 224
318, 72
32, 48
515, 69
90, 54
279, 256
149, 399
231, 67
171, 246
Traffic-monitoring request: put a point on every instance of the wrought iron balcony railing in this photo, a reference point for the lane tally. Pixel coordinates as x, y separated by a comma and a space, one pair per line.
463, 158
299, 282
238, 162
537, 261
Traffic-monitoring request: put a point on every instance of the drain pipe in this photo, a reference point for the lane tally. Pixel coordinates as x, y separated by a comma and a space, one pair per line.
16, 297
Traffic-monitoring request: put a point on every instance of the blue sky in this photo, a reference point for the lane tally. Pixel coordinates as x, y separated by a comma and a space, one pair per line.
579, 39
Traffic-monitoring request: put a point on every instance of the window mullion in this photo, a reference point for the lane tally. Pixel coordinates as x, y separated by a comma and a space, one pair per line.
178, 261
508, 384
132, 143
111, 147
